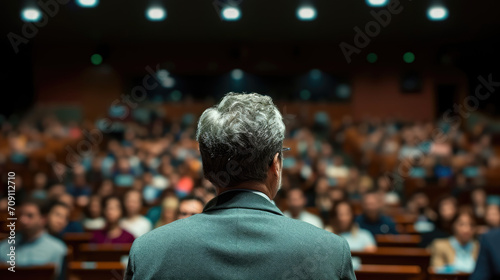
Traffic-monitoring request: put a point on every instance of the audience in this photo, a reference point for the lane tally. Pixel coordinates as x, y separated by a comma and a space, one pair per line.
93, 214
343, 224
459, 252
57, 218
134, 222
446, 211
169, 210
113, 211
189, 206
157, 167
34, 245
372, 218
296, 208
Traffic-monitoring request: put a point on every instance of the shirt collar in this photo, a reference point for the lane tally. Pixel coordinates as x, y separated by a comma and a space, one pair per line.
252, 191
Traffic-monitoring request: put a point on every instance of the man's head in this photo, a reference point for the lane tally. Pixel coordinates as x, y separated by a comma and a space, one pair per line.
296, 201
241, 141
58, 217
372, 205
189, 206
33, 218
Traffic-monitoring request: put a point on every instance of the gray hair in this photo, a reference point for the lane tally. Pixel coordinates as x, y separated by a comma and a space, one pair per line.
239, 138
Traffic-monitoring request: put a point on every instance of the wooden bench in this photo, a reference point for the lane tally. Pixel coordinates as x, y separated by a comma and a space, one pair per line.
74, 240
396, 256
96, 270
400, 272
433, 275
41, 272
103, 252
398, 240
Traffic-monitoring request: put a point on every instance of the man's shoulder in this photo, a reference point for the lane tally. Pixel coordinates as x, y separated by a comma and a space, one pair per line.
300, 229
492, 235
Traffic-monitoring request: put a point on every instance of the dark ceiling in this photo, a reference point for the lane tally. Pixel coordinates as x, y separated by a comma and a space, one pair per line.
120, 22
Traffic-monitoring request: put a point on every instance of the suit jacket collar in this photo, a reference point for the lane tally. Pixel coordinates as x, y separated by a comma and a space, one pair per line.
241, 199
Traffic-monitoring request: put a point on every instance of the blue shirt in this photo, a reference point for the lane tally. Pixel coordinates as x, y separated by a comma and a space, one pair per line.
45, 249
384, 225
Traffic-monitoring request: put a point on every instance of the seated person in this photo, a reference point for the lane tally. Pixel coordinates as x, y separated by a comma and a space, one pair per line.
189, 206
34, 246
296, 208
112, 233
342, 223
446, 211
93, 214
73, 225
134, 222
491, 218
459, 252
57, 218
372, 218
80, 190
169, 207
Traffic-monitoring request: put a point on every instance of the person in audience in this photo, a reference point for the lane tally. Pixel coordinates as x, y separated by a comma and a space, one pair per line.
459, 252
189, 206
372, 218
106, 188
478, 197
57, 218
93, 214
491, 218
73, 225
40, 185
80, 190
388, 194
488, 261
343, 224
169, 208
446, 210
33, 244
112, 233
134, 222
296, 208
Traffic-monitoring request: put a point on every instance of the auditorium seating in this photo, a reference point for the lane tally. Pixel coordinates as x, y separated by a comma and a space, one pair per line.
74, 240
396, 256
397, 240
448, 276
95, 270
43, 272
103, 252
400, 272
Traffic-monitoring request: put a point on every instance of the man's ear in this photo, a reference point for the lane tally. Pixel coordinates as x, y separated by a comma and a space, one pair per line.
276, 164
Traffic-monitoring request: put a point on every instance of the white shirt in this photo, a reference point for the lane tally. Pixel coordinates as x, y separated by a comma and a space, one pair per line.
137, 227
308, 218
255, 192
94, 224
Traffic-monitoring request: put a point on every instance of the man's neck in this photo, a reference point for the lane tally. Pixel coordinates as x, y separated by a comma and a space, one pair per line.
252, 186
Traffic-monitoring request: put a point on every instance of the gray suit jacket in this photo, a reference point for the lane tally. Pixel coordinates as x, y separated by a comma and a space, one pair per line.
239, 235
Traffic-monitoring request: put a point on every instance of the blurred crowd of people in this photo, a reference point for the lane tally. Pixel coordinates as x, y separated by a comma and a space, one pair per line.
143, 175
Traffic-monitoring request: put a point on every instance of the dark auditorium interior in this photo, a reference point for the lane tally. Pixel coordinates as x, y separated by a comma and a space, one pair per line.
390, 107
